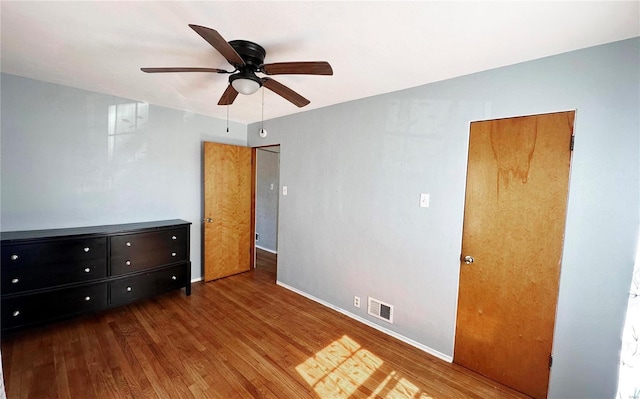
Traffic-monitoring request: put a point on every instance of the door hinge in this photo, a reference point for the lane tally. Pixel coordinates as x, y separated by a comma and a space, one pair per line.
550, 361
573, 140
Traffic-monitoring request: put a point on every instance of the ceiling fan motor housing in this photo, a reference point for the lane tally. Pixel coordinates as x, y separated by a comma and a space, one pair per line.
253, 55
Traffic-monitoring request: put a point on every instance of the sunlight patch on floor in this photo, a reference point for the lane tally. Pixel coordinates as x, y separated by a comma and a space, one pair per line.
338, 370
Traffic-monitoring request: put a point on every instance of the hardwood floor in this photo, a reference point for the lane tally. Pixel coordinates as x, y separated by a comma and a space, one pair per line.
238, 337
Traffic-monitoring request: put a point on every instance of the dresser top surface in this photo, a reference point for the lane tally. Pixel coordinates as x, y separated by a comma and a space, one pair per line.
7, 236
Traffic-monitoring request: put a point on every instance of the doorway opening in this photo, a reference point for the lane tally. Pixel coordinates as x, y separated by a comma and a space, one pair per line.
266, 208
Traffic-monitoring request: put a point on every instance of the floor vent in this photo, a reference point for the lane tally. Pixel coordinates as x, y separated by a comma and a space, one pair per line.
381, 310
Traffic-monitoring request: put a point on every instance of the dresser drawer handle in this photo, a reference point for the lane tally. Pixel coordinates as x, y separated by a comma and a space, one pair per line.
128, 263
128, 289
15, 281
87, 269
14, 257
174, 237
86, 249
173, 254
128, 244
87, 298
174, 278
16, 313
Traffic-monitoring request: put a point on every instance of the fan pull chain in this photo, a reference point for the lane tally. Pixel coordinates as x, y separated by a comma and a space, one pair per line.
263, 133
227, 118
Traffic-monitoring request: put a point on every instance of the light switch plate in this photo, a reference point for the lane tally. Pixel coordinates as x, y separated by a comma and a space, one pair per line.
424, 200
284, 190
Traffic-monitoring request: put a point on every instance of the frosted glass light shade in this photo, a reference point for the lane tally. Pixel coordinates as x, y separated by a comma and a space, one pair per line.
245, 86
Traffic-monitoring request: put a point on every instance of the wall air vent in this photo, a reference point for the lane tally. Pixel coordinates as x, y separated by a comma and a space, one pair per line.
380, 310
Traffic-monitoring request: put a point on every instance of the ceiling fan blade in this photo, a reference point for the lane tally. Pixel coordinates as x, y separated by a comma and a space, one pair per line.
218, 42
285, 92
298, 68
180, 69
228, 96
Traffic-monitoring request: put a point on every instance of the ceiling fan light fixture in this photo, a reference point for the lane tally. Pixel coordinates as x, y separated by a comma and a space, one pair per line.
245, 83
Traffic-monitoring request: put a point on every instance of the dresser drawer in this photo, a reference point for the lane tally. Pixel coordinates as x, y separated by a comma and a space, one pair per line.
35, 308
50, 263
145, 285
139, 251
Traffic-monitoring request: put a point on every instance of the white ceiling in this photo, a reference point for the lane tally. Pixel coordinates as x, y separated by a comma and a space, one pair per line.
373, 47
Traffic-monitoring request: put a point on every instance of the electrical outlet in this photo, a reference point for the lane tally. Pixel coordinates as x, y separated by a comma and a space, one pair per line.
257, 236
356, 301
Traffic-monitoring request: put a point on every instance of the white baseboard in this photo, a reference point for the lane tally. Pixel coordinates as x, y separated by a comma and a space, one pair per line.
267, 249
424, 348
197, 279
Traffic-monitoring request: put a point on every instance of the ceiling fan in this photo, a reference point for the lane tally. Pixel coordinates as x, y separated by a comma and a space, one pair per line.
247, 58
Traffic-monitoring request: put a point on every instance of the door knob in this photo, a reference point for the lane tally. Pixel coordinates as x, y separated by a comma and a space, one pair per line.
207, 220
468, 259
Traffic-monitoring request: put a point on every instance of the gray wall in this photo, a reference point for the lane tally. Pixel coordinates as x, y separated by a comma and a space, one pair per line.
69, 160
351, 225
267, 189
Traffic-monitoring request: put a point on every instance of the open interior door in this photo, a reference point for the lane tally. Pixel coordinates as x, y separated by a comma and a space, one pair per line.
229, 222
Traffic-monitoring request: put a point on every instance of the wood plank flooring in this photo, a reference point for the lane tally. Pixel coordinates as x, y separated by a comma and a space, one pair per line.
238, 337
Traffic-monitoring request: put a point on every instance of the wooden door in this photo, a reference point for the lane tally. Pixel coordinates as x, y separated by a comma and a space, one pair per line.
514, 221
228, 224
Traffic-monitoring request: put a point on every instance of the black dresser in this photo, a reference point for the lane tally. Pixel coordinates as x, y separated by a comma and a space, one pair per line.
53, 274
